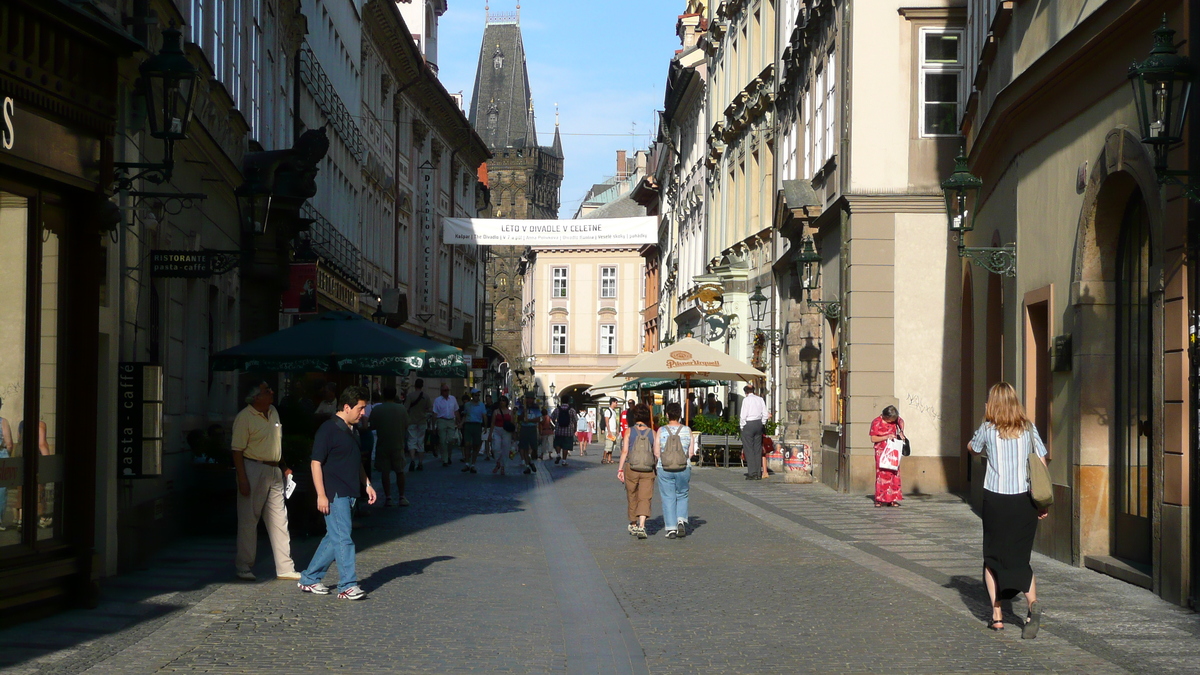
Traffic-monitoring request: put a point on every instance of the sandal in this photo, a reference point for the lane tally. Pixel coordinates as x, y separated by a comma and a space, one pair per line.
1033, 621
996, 624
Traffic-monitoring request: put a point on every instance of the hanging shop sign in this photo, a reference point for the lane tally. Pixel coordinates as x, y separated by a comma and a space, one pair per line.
192, 264
426, 239
67, 151
301, 295
602, 232
139, 419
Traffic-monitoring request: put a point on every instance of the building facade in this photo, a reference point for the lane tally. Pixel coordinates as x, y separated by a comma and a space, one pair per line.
293, 101
1093, 328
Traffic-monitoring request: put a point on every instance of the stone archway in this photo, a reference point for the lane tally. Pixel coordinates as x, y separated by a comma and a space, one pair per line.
1123, 175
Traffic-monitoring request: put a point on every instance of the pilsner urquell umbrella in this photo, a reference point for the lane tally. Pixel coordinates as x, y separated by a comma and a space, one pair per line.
343, 342
690, 358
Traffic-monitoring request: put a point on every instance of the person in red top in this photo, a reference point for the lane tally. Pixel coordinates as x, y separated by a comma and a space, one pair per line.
625, 417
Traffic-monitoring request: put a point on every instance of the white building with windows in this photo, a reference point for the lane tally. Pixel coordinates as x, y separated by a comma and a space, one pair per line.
583, 309
862, 151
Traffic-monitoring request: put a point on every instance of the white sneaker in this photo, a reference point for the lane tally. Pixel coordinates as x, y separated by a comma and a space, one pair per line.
247, 576
352, 593
289, 576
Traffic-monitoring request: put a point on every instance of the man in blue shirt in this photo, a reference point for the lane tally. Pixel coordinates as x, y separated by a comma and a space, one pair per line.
337, 473
474, 415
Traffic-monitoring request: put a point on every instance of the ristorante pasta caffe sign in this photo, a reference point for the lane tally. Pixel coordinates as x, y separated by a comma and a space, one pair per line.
602, 232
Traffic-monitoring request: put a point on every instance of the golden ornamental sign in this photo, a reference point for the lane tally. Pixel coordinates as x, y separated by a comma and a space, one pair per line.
710, 298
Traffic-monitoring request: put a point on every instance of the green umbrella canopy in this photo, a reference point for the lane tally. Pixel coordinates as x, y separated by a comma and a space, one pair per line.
660, 384
343, 342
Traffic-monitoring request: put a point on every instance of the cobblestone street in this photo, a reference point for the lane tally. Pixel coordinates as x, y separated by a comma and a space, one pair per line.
536, 574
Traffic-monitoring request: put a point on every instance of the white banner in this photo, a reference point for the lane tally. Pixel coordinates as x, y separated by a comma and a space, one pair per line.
579, 232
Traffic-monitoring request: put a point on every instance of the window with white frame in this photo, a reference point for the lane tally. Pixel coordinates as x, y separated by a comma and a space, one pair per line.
830, 106
558, 283
235, 56
608, 282
558, 338
608, 338
819, 122
806, 113
217, 47
941, 81
198, 22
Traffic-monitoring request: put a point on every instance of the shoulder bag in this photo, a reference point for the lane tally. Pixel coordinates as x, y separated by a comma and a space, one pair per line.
1041, 489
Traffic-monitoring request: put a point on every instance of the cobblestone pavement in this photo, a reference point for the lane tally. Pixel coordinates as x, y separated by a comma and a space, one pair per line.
536, 574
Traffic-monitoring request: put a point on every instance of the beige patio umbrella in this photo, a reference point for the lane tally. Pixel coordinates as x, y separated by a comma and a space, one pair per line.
613, 382
690, 358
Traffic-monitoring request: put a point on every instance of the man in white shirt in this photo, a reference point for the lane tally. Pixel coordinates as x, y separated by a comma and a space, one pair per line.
446, 414
754, 415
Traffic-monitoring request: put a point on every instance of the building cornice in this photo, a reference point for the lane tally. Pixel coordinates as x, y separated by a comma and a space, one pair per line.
895, 203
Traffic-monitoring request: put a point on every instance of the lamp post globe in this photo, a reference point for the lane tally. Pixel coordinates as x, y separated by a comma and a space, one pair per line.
961, 191
168, 85
1161, 88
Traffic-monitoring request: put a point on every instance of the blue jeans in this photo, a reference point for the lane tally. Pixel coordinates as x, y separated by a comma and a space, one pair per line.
337, 545
673, 489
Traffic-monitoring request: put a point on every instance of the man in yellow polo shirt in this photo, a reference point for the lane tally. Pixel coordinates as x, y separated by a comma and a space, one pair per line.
257, 456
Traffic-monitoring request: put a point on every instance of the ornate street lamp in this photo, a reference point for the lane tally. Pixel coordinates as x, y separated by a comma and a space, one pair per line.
167, 85
254, 205
758, 306
379, 316
666, 340
553, 396
1162, 86
808, 270
961, 191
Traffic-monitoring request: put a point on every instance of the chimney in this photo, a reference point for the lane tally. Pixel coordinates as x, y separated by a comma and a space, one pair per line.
622, 166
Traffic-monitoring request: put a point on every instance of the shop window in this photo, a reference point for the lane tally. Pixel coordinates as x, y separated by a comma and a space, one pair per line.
50, 467
14, 229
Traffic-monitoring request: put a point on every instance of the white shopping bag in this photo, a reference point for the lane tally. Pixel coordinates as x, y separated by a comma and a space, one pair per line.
889, 459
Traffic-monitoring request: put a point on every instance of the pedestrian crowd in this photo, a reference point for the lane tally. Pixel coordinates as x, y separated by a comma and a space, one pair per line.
390, 433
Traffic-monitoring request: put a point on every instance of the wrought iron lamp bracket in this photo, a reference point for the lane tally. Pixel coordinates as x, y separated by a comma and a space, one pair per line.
1001, 260
1191, 189
774, 339
170, 202
832, 309
157, 173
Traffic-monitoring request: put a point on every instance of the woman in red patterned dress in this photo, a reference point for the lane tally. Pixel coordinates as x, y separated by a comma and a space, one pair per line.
887, 482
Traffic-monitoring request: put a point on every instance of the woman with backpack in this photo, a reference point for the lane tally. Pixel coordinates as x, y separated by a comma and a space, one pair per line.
674, 471
640, 451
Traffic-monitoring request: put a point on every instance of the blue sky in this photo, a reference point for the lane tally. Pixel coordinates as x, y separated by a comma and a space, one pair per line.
604, 63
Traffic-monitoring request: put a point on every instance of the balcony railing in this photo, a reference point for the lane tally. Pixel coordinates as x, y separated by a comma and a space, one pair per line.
318, 84
324, 241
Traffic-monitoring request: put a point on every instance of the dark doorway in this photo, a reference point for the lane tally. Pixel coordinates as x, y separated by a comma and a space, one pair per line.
1133, 399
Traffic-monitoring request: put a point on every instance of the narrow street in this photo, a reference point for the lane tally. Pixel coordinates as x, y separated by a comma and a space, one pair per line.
536, 574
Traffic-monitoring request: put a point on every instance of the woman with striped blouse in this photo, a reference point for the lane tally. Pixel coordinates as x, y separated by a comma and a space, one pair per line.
1010, 518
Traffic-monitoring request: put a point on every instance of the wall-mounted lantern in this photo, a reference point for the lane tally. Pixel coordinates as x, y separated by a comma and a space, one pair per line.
167, 86
961, 191
808, 270
1162, 86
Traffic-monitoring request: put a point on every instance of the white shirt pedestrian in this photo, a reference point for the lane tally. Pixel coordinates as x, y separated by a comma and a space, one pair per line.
754, 408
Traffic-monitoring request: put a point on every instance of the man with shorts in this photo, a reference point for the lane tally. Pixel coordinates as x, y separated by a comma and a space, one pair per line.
419, 407
565, 421
530, 415
389, 419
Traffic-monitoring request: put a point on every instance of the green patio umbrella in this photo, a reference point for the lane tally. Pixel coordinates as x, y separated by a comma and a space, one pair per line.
344, 342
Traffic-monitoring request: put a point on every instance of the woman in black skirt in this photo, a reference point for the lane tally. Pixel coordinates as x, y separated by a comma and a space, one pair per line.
1010, 518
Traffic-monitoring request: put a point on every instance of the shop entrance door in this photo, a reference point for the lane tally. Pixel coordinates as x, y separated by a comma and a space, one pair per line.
1134, 386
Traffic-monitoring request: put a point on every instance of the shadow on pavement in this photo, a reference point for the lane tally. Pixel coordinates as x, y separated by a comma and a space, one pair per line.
974, 597
399, 570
